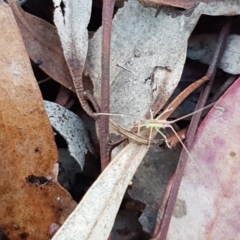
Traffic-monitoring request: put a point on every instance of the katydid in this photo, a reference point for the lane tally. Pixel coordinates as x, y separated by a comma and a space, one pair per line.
156, 124
159, 123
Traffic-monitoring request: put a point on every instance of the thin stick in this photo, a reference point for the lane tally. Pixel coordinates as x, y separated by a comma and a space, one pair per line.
103, 121
151, 130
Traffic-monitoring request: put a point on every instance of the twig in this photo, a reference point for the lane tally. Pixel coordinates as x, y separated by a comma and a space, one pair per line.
223, 88
173, 140
103, 121
156, 106
185, 93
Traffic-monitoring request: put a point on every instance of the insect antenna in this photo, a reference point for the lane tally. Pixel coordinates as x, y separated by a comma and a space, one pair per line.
192, 113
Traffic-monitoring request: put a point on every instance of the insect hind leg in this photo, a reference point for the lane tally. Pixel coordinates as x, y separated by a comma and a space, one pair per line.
185, 148
164, 136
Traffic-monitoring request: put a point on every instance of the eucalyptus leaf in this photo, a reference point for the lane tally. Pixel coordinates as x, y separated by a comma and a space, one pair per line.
71, 128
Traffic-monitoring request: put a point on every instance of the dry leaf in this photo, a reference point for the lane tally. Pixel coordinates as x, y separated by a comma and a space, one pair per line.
43, 45
94, 216
201, 47
142, 46
71, 19
32, 203
72, 129
72, 29
209, 204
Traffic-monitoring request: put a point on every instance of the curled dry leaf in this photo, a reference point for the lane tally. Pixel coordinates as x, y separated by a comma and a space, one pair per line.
211, 202
72, 22
72, 29
43, 45
31, 200
71, 128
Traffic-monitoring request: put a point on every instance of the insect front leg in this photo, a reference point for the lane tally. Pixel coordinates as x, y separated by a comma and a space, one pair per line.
164, 112
139, 128
150, 135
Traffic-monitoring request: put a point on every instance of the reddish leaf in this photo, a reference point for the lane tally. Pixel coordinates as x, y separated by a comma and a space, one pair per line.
208, 202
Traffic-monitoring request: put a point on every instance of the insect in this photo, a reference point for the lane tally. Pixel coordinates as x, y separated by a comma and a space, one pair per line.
159, 124
154, 124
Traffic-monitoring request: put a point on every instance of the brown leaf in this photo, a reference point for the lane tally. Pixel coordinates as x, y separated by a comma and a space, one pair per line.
32, 203
43, 45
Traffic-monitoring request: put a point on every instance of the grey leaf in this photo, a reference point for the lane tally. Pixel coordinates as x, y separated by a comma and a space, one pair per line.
201, 47
71, 128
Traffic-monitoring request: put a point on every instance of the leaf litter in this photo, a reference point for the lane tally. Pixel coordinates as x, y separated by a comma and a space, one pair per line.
152, 39
43, 45
126, 72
